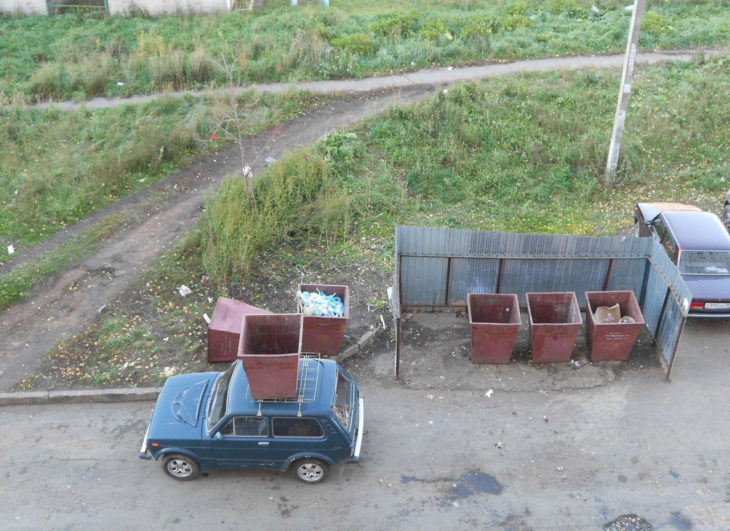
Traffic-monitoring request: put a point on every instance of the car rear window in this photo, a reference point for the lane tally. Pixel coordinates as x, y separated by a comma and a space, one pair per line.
705, 263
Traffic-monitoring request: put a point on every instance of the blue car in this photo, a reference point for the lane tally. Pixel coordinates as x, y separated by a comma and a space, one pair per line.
209, 421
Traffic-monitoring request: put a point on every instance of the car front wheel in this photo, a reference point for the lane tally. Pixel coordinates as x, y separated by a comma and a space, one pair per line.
181, 467
310, 470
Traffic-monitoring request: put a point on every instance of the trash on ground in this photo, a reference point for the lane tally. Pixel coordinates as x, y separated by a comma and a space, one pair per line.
207, 319
320, 304
269, 160
101, 308
489, 393
184, 291
11, 249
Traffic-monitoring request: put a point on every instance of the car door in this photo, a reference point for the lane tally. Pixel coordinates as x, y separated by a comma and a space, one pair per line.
243, 442
305, 435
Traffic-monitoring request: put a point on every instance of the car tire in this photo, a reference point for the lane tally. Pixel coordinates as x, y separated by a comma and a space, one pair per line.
309, 471
726, 217
180, 467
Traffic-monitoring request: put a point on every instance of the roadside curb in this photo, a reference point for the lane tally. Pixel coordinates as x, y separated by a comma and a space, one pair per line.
79, 396
133, 394
360, 344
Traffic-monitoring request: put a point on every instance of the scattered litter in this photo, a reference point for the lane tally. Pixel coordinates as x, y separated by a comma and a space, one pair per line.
213, 138
210, 300
431, 397
559, 468
184, 291
595, 9
207, 319
446, 91
607, 314
575, 364
545, 419
247, 171
320, 304
450, 68
169, 371
120, 83
11, 249
489, 393
499, 445
456, 504
101, 308
166, 338
382, 321
629, 8
269, 160
413, 63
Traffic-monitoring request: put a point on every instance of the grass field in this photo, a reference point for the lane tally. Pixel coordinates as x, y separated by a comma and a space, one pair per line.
58, 167
70, 56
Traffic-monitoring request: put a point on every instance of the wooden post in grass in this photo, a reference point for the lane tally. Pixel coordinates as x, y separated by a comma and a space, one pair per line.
624, 93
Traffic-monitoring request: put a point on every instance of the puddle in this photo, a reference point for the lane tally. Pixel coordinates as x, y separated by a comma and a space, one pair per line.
476, 483
467, 485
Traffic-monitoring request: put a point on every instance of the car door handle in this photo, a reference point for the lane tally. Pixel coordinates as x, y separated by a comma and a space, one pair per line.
263, 443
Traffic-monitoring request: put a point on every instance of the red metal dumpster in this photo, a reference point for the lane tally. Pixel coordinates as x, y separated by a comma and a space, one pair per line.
224, 330
495, 321
269, 348
323, 334
612, 341
554, 324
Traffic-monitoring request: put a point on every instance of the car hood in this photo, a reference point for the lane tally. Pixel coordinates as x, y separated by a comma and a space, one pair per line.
708, 288
180, 406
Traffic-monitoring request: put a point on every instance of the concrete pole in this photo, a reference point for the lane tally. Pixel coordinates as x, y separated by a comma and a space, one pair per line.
624, 93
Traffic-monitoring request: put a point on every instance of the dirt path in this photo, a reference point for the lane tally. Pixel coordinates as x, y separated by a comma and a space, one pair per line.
64, 306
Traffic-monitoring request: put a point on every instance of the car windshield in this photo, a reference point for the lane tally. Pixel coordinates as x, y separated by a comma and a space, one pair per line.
219, 397
704, 263
343, 405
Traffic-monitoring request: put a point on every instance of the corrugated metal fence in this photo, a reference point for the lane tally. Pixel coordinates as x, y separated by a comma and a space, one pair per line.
439, 267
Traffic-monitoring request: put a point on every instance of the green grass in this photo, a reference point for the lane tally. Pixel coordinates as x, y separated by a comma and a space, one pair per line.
59, 167
70, 56
524, 154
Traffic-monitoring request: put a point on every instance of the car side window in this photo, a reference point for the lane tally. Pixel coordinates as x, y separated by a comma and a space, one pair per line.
297, 427
246, 427
665, 238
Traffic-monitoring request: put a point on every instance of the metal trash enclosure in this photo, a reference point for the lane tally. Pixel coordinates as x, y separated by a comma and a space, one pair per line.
437, 268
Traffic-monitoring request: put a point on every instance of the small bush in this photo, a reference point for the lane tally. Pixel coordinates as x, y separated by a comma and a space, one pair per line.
395, 24
652, 22
357, 44
479, 26
48, 81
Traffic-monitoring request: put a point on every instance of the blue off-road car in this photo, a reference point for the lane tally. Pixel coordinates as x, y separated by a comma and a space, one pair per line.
208, 421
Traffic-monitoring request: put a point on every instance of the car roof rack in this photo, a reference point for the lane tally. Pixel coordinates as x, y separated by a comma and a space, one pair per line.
307, 383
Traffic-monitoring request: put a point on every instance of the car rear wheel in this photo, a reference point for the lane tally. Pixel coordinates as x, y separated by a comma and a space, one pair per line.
310, 470
726, 216
181, 467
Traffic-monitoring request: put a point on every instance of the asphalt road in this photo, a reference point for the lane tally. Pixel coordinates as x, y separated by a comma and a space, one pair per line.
432, 459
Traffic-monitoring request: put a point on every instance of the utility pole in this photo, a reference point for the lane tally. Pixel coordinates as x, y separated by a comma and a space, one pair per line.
624, 93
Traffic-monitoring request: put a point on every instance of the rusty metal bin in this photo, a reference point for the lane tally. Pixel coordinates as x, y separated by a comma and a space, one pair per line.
322, 334
495, 321
224, 330
612, 341
554, 325
269, 348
